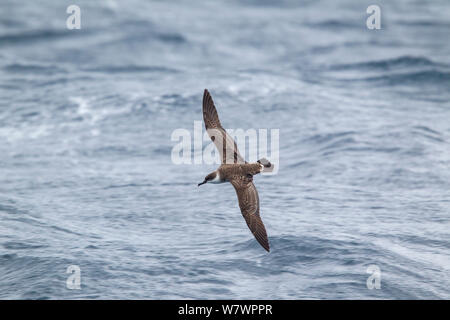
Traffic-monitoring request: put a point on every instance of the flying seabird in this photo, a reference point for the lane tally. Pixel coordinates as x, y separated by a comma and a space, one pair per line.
236, 170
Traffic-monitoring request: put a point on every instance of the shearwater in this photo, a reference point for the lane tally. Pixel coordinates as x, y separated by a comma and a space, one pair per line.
236, 170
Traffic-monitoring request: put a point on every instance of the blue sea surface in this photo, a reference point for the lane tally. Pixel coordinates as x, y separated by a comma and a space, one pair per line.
86, 176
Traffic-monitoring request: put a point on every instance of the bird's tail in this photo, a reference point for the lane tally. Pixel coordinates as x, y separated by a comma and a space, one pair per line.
268, 167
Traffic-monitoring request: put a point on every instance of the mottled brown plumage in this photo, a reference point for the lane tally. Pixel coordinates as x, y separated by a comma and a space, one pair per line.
236, 170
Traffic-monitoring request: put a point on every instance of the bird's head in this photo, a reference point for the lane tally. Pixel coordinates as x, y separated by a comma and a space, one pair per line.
210, 177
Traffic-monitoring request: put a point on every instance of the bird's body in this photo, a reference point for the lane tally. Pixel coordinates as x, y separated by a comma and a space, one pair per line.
228, 172
236, 170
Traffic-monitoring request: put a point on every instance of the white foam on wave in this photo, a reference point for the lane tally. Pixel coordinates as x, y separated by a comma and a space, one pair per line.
422, 254
86, 110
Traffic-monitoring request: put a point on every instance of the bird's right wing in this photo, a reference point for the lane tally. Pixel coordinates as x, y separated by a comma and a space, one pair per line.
225, 144
249, 205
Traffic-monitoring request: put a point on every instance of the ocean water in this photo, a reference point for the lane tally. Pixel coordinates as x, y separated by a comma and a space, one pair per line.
86, 176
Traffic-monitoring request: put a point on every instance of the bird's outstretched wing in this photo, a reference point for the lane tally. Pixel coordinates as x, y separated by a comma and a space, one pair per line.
226, 145
249, 205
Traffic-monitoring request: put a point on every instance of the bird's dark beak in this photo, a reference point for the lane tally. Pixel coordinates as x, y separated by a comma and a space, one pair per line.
202, 183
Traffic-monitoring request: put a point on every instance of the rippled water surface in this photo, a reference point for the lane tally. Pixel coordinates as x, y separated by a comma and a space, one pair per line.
86, 176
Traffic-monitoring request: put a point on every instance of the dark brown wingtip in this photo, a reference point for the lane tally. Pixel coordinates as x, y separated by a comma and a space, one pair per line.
263, 241
206, 98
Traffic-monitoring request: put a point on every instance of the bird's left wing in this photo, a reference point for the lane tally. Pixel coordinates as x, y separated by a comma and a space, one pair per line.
249, 205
